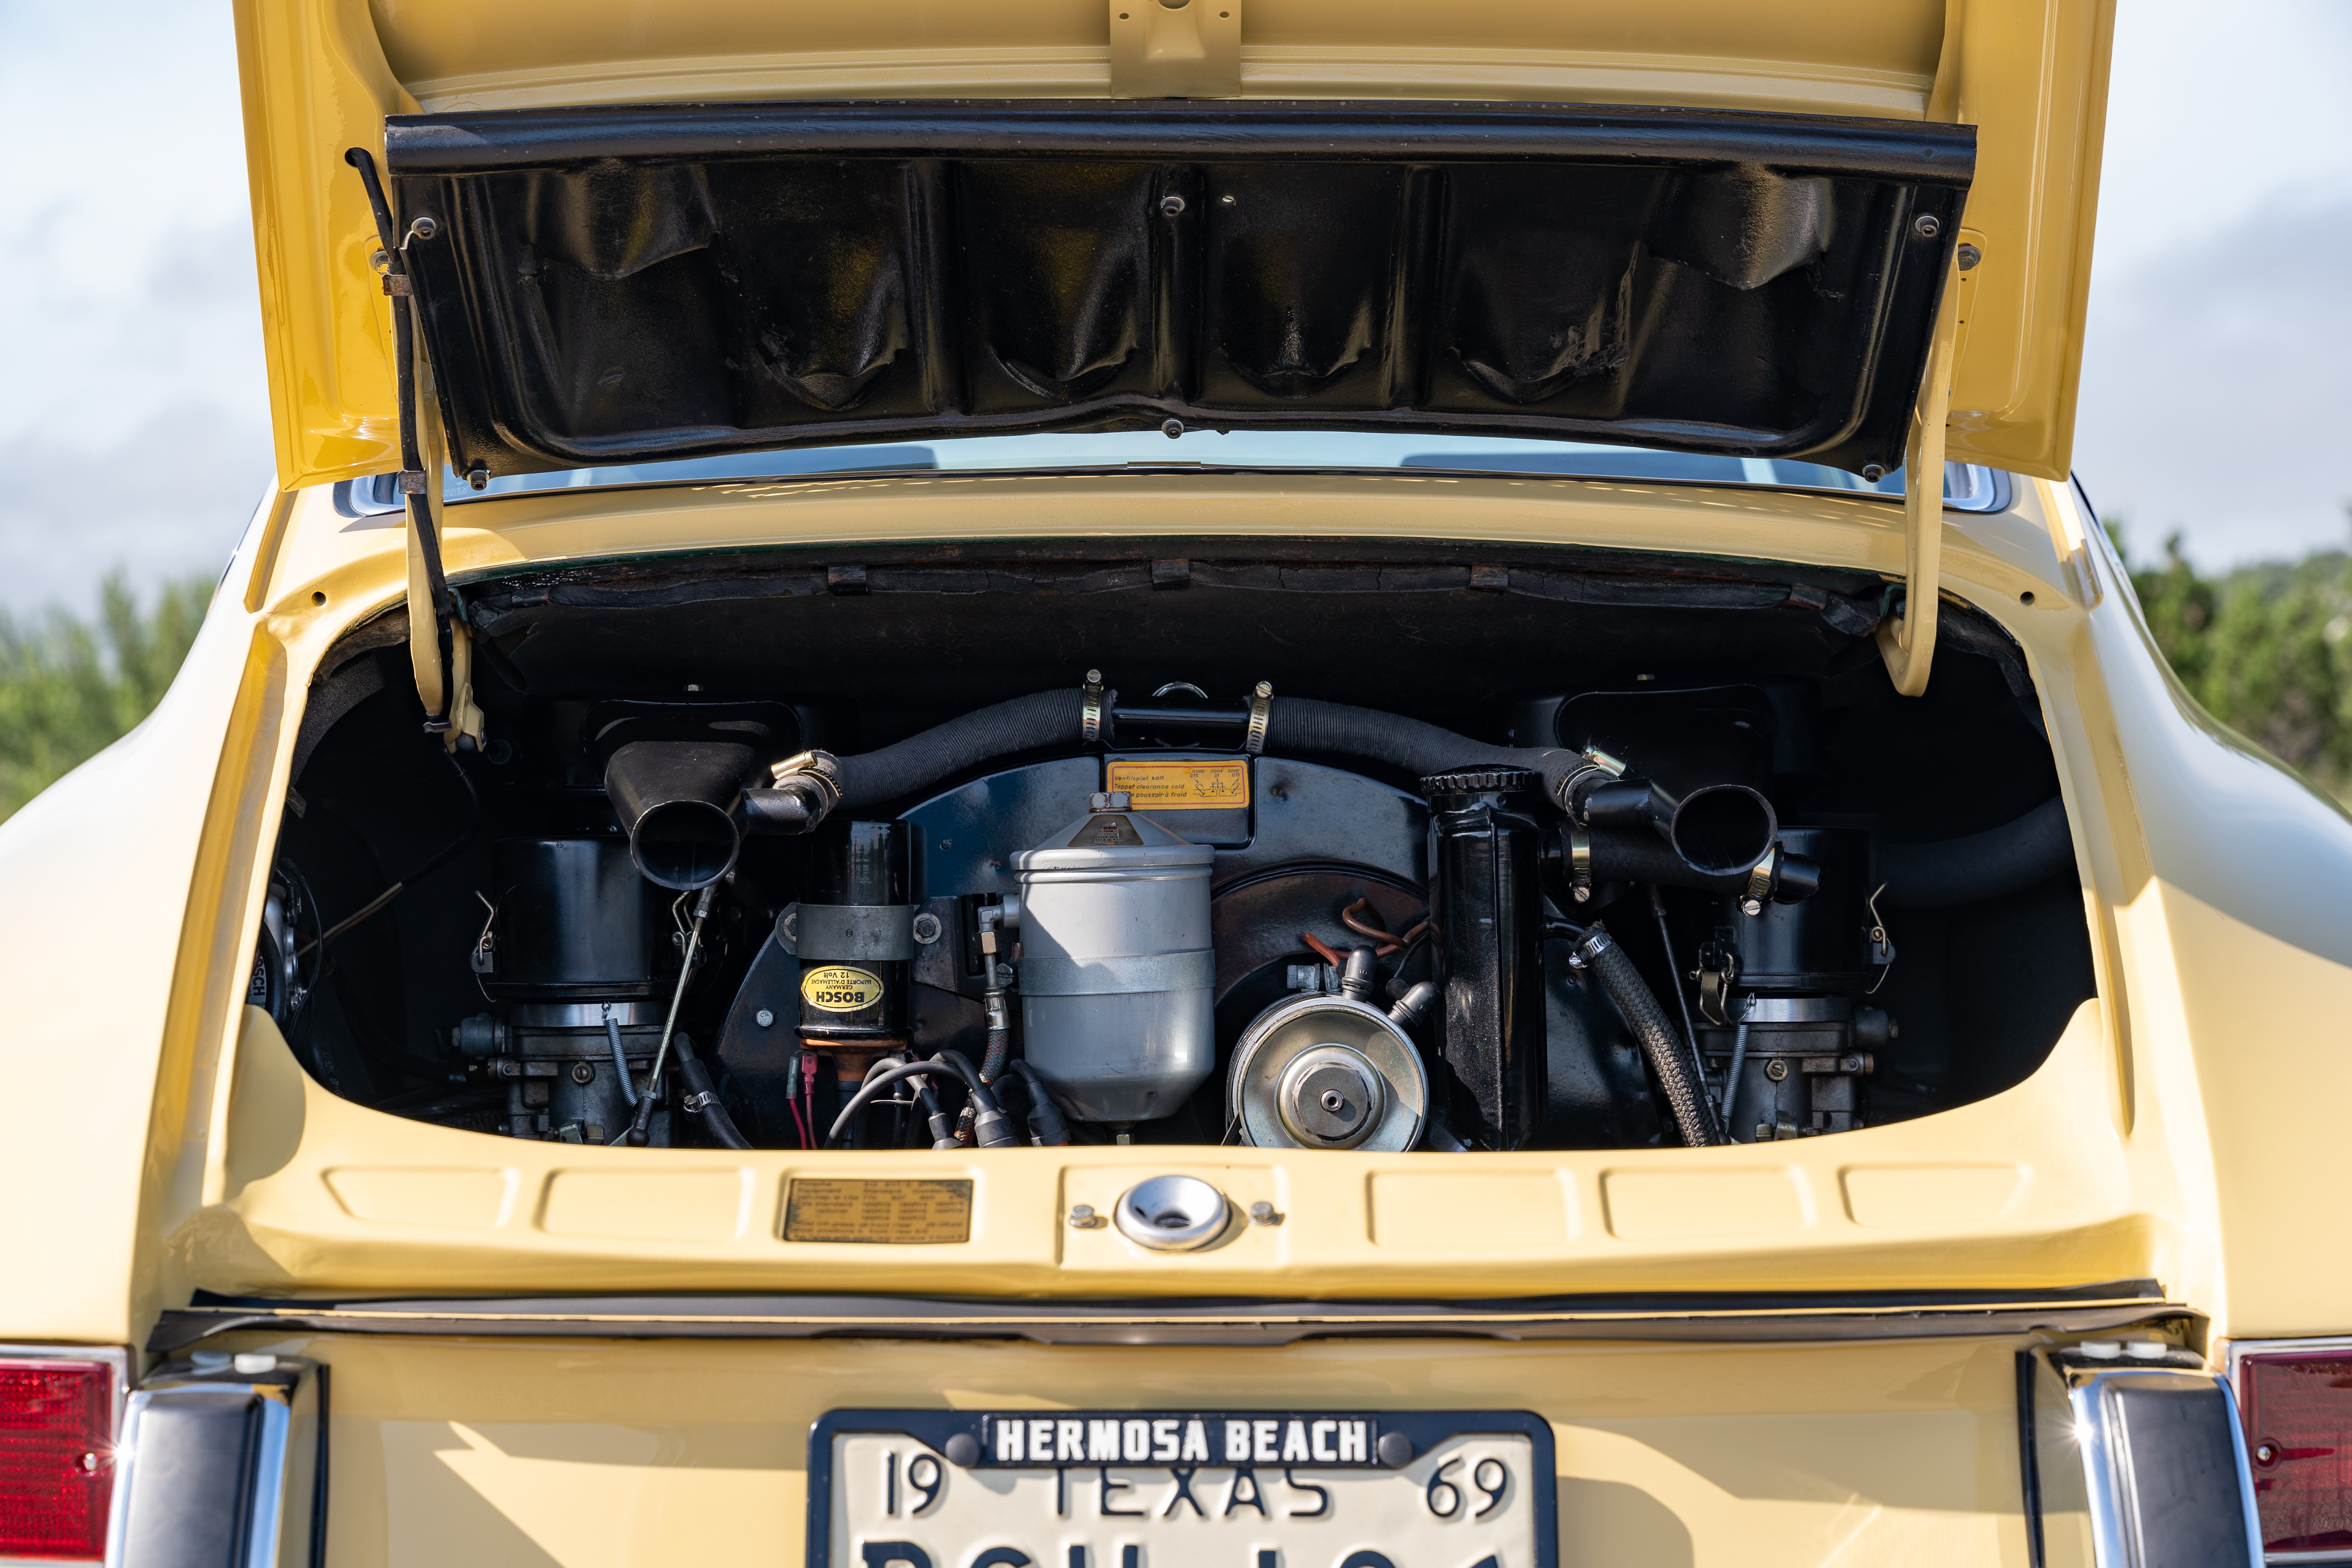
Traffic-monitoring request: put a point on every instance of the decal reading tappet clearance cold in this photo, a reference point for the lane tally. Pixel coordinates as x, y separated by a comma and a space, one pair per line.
1181, 785
841, 988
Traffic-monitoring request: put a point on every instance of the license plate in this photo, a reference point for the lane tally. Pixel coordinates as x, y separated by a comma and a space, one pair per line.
1182, 1489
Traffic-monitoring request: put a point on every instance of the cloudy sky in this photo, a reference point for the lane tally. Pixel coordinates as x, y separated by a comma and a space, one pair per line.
133, 425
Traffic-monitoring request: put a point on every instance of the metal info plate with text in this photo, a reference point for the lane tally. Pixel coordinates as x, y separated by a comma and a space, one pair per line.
1180, 1489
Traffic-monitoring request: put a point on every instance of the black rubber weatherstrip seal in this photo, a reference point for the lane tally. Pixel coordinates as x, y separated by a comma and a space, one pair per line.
1732, 1318
489, 140
2029, 1458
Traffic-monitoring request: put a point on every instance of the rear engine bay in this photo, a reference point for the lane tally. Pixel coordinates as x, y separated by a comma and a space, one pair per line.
1322, 846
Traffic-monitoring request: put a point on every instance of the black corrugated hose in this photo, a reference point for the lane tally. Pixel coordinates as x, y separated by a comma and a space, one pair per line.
702, 1096
1302, 724
1024, 724
2002, 861
1672, 1061
1296, 725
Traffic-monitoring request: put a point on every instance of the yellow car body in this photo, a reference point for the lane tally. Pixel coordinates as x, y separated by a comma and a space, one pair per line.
1800, 1352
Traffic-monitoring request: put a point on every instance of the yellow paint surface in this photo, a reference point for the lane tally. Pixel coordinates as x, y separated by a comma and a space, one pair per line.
452, 1453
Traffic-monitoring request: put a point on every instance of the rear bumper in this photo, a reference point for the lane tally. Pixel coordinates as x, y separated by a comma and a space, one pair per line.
539, 1445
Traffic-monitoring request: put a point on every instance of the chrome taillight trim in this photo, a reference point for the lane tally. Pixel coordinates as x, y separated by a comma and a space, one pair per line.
286, 1469
2112, 1533
118, 1359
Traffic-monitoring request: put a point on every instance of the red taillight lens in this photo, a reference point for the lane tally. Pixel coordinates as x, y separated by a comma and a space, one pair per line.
2298, 1415
57, 1458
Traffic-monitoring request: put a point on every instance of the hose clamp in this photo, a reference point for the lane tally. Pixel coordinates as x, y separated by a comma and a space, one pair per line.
1596, 761
1261, 715
699, 1102
1760, 882
1090, 711
817, 773
1580, 864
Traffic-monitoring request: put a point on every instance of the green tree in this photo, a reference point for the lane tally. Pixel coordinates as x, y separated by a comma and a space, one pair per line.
2267, 649
70, 687
2179, 605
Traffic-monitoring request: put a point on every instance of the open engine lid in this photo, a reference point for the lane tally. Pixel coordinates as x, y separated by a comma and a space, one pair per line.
614, 285
704, 231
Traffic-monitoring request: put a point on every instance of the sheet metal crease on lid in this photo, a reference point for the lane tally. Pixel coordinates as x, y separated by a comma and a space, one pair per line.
617, 284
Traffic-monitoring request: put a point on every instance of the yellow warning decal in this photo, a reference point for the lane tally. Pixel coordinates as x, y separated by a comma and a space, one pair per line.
1181, 787
905, 1214
841, 988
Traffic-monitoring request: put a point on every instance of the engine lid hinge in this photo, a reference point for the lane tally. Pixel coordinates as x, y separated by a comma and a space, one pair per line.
1192, 49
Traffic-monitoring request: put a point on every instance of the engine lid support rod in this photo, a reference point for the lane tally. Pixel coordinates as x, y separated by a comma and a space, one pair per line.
441, 660
1906, 639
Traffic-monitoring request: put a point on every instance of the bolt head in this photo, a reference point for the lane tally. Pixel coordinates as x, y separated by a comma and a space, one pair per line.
1172, 207
583, 1072
764, 1018
1171, 428
1262, 1213
1395, 1450
1969, 256
1928, 225
962, 1450
1751, 906
1872, 472
2267, 1453
425, 228
1776, 1070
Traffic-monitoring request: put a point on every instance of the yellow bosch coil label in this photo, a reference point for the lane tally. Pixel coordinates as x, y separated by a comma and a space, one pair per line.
1181, 787
841, 988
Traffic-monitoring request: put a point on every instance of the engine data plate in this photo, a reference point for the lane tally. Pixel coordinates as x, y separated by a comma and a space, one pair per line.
1181, 1489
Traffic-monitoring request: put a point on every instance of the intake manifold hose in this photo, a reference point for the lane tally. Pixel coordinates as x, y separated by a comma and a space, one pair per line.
1029, 723
1673, 1061
1298, 725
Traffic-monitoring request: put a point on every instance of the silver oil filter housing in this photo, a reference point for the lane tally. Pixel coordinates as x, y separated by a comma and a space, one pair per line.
1118, 975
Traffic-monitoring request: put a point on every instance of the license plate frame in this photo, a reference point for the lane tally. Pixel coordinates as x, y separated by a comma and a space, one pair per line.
935, 1430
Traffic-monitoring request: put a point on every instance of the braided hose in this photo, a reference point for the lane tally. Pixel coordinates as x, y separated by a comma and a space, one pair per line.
1671, 1061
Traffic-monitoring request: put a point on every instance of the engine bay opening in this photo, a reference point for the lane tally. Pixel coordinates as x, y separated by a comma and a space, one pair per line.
1350, 848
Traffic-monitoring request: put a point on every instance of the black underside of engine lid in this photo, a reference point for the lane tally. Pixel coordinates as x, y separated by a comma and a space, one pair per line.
611, 285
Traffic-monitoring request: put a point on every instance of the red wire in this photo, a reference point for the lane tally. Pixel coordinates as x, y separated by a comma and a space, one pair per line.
1329, 957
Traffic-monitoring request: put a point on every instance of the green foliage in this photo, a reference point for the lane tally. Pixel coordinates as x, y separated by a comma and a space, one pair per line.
2266, 650
69, 687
